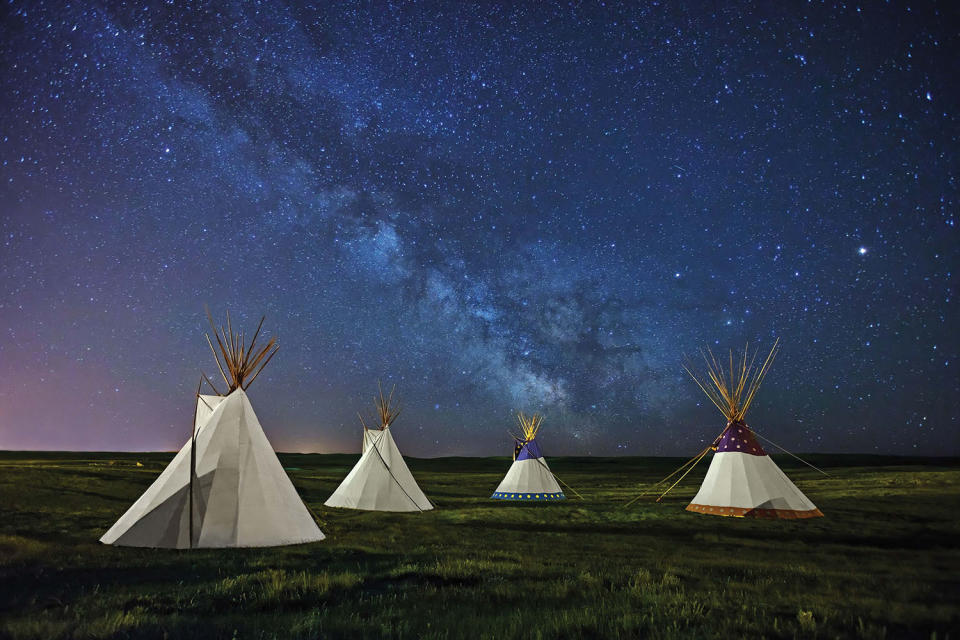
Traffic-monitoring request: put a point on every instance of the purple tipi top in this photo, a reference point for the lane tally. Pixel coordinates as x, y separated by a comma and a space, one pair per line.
528, 450
738, 437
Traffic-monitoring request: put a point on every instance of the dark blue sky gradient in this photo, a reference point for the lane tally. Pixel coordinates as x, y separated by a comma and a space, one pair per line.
495, 207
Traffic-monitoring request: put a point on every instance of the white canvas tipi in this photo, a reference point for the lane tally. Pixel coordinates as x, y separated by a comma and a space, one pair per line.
529, 477
226, 487
381, 480
742, 479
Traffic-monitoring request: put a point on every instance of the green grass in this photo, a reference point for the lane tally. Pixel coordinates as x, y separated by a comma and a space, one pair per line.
883, 563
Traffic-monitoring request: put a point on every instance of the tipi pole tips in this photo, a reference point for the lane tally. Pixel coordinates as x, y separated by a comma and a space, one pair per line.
732, 386
243, 362
529, 426
215, 390
386, 410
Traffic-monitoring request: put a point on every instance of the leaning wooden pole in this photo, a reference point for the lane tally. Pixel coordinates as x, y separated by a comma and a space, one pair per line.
193, 457
698, 459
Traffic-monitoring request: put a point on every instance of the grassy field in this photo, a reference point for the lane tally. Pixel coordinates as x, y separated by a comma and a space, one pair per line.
883, 563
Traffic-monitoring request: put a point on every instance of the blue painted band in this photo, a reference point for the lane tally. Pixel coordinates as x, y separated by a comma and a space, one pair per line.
533, 496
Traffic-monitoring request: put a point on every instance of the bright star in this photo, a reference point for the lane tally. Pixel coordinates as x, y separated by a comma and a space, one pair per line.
862, 251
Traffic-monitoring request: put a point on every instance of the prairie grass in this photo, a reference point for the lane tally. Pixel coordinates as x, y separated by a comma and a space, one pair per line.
883, 563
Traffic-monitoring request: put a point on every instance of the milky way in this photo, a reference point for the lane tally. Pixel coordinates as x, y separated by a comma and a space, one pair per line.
492, 207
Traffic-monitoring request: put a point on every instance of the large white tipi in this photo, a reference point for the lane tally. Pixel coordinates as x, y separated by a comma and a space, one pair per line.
529, 477
226, 487
742, 479
381, 480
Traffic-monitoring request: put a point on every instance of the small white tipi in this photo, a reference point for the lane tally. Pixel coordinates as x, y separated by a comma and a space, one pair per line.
742, 479
381, 480
529, 477
226, 487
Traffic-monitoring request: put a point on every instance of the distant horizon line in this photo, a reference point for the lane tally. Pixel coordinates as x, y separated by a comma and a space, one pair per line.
954, 456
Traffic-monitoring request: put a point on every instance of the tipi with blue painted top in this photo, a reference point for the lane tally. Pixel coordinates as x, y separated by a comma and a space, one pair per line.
529, 478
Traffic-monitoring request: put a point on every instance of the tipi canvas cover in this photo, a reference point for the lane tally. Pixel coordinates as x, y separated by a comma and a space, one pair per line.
742, 479
381, 480
369, 437
529, 477
241, 495
226, 487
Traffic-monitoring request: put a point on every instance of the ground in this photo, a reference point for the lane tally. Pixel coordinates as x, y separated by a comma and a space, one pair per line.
883, 563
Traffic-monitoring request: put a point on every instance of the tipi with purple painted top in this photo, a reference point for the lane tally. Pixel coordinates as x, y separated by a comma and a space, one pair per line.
743, 480
529, 478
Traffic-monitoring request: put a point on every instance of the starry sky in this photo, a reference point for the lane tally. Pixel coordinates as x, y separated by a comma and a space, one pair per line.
494, 206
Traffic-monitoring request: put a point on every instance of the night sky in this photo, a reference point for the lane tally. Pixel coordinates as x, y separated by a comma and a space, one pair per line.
495, 207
